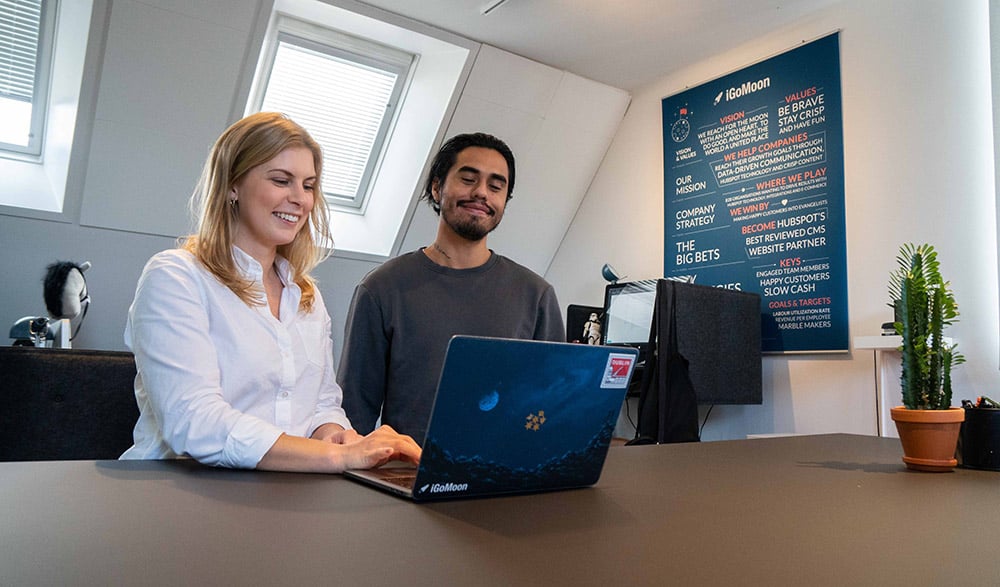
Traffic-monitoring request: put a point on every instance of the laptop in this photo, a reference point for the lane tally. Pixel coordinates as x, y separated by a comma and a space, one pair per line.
514, 416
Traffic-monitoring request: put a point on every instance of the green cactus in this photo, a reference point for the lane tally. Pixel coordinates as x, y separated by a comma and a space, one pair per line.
926, 305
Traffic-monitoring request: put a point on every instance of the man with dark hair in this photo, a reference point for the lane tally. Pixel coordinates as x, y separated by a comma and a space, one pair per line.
405, 311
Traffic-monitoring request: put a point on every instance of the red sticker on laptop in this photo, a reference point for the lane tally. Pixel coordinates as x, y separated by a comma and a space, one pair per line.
617, 371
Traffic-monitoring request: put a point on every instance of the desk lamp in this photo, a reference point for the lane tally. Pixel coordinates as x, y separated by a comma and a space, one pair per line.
610, 274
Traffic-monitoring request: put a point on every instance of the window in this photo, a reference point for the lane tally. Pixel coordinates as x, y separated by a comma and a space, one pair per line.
26, 32
376, 141
37, 185
344, 90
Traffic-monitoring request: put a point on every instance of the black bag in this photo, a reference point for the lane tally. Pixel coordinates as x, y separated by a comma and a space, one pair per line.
668, 407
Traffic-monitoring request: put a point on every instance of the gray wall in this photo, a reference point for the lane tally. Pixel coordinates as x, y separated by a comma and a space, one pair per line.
117, 257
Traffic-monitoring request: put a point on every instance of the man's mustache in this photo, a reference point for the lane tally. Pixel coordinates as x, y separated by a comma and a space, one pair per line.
478, 201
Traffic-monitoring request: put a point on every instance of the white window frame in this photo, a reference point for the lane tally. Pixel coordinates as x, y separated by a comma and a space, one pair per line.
47, 187
40, 86
439, 72
350, 49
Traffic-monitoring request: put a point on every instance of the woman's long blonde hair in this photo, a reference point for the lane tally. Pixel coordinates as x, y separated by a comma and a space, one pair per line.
254, 140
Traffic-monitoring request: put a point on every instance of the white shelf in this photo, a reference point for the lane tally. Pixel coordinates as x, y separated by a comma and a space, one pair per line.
887, 371
885, 343
890, 342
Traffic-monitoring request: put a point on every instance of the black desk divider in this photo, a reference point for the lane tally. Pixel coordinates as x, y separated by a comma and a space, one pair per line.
65, 404
718, 332
668, 410
707, 345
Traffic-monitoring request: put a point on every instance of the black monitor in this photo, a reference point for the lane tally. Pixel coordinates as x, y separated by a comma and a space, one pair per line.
628, 313
718, 332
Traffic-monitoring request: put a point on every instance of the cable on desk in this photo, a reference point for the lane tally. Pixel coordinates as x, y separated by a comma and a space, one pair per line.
705, 421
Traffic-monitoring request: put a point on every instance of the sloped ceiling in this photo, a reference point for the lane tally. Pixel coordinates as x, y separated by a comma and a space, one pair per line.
622, 43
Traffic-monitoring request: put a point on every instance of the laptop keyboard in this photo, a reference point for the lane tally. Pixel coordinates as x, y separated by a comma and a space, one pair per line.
404, 479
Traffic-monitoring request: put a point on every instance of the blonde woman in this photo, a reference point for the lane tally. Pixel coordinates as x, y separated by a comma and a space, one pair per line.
229, 331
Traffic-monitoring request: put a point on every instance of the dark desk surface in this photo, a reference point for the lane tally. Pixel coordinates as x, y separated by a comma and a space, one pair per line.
810, 510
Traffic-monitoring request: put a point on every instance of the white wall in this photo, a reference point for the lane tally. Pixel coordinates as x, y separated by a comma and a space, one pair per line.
168, 80
558, 125
171, 79
918, 160
918, 167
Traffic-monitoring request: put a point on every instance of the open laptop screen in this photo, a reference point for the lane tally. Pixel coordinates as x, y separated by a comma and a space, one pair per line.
628, 313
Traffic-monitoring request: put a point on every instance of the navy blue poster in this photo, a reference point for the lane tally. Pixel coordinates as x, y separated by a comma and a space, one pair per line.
754, 193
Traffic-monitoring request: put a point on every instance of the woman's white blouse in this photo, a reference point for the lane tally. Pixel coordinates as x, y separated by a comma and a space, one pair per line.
219, 380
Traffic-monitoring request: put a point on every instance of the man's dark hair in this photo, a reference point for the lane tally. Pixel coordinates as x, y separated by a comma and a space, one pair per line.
445, 159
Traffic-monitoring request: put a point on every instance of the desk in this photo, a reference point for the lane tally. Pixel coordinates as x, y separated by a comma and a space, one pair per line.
804, 510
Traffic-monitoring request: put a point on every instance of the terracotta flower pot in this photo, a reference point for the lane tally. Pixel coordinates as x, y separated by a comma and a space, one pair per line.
929, 437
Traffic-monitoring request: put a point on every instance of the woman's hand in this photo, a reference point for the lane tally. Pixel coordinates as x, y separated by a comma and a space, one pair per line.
378, 448
336, 434
331, 449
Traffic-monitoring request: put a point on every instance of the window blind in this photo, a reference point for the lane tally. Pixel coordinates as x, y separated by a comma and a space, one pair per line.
343, 103
20, 25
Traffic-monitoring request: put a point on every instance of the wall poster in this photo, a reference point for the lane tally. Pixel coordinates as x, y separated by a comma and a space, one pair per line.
754, 193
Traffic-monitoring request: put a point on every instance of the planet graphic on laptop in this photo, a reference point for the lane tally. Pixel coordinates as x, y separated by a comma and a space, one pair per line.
489, 401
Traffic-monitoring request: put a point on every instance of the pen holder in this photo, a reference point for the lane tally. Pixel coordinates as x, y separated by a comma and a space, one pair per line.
979, 439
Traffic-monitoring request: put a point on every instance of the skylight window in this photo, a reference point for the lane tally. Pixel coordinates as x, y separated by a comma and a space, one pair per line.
25, 49
344, 91
377, 91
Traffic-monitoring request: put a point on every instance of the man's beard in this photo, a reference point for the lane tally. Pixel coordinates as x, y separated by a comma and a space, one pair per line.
474, 228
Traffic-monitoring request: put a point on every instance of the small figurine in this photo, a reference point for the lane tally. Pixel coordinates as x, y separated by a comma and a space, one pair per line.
592, 329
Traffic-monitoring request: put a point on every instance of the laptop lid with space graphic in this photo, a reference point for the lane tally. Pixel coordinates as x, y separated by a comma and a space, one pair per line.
514, 416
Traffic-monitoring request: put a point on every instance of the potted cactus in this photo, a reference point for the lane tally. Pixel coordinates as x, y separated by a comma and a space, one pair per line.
927, 424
